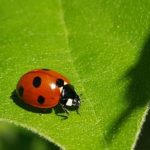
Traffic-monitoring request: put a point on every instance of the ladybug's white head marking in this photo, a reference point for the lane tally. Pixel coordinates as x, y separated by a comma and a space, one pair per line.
69, 102
60, 89
65, 83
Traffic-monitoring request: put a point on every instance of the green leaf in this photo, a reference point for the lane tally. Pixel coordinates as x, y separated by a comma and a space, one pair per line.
14, 137
101, 46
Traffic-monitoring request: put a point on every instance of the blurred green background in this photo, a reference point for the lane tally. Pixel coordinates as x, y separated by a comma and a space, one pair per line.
13, 137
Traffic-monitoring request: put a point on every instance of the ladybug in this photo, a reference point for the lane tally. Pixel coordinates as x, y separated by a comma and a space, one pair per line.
45, 88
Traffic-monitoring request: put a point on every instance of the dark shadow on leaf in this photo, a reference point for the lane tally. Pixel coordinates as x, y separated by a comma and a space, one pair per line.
138, 90
25, 106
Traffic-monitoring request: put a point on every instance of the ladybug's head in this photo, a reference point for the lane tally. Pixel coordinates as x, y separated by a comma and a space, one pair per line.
69, 97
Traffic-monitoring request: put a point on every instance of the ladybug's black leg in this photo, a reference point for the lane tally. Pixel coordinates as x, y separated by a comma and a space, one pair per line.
63, 104
64, 108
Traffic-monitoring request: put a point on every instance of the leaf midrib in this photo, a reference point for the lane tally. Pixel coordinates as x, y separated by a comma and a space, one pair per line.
67, 33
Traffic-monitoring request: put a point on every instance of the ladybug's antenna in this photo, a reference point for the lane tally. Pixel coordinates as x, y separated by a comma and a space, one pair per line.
81, 97
78, 111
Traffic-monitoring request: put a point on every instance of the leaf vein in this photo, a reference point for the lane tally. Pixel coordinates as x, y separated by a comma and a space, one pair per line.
71, 59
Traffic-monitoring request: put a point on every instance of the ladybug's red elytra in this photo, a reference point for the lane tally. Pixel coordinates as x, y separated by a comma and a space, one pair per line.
45, 88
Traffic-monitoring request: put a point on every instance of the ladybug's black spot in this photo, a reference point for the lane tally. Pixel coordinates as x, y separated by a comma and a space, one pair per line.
59, 82
45, 69
41, 99
20, 91
36, 82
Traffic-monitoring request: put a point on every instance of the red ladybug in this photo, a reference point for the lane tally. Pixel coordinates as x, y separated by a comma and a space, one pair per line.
44, 88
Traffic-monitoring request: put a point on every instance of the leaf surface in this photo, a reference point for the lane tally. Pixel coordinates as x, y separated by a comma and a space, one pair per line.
101, 46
